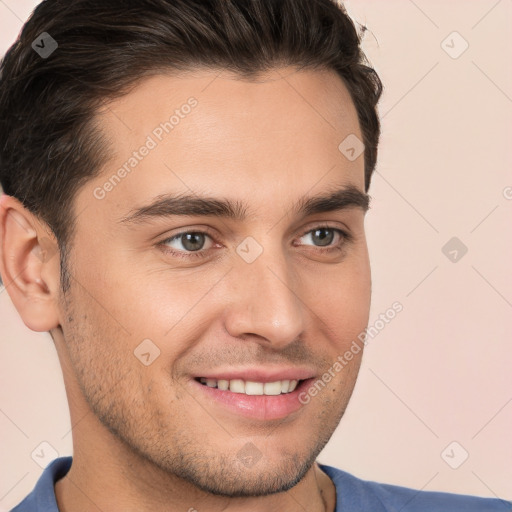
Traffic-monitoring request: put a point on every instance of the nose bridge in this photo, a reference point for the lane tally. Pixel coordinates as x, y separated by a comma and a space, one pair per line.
265, 301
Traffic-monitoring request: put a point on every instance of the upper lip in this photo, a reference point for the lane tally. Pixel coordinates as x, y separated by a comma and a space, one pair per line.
254, 374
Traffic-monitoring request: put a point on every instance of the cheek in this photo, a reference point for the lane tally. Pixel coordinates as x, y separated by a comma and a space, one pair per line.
342, 302
141, 303
112, 374
94, 336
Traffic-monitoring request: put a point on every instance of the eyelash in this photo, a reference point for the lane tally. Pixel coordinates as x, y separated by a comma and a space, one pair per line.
345, 239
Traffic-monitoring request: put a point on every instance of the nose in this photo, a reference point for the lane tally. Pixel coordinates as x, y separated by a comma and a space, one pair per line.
265, 302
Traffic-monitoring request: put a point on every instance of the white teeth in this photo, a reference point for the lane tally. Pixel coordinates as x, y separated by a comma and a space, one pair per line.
272, 388
237, 386
252, 388
223, 384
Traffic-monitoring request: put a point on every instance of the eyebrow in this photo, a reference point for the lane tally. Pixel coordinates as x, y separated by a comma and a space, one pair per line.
168, 205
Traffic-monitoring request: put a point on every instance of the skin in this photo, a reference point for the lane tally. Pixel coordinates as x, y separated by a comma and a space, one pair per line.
144, 438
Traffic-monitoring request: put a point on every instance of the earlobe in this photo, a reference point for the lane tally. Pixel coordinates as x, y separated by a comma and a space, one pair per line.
29, 265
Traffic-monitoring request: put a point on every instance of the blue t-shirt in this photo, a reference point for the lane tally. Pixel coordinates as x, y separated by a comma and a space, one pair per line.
352, 495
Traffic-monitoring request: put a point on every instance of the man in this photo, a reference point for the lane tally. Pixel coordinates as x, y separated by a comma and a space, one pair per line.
201, 168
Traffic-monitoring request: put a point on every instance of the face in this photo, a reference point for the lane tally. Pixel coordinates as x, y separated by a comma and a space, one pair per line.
251, 287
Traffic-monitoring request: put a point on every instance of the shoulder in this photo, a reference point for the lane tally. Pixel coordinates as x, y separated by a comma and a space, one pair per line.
354, 494
42, 497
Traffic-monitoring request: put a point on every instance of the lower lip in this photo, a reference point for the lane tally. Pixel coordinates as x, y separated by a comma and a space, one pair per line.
260, 407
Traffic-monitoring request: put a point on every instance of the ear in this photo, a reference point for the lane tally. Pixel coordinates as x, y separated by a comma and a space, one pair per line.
29, 265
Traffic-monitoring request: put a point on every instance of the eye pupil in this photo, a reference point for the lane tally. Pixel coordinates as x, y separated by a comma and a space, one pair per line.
190, 241
325, 239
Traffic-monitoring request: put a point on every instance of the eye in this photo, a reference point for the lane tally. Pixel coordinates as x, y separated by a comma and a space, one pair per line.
323, 236
187, 242
197, 244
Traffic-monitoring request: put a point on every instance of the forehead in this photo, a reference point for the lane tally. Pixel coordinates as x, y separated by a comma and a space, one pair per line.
320, 91
217, 133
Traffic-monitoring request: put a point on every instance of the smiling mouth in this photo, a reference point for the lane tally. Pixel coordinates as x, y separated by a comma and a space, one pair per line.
279, 387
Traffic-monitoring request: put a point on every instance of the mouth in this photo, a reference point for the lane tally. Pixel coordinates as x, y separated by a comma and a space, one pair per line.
251, 388
252, 399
